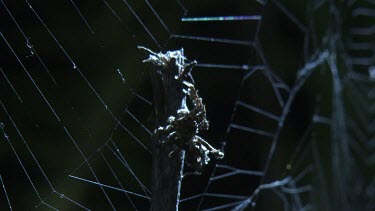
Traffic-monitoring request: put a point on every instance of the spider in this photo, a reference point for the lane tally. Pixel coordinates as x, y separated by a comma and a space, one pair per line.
182, 129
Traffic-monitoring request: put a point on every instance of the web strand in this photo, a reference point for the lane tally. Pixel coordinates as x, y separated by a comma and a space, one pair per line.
66, 94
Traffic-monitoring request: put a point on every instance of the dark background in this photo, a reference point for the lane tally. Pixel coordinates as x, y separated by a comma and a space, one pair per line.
90, 97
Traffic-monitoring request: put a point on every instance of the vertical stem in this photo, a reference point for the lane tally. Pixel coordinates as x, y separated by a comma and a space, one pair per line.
175, 124
166, 171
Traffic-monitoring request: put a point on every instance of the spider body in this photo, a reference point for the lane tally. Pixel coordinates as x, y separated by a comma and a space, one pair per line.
182, 129
182, 133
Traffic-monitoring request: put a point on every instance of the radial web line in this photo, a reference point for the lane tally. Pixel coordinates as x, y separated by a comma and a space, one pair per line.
142, 98
223, 18
258, 110
134, 137
28, 43
267, 72
135, 118
33, 156
235, 171
79, 71
137, 95
110, 154
22, 165
156, 14
67, 55
42, 93
213, 39
141, 22
113, 11
280, 81
303, 75
108, 186
182, 7
11, 85
302, 146
5, 192
275, 89
290, 15
225, 196
119, 157
30, 77
117, 179
225, 66
252, 130
122, 159
83, 17
88, 164
250, 71
272, 185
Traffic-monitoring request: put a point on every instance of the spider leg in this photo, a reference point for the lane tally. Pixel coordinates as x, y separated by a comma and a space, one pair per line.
218, 154
187, 70
191, 173
172, 152
172, 137
148, 50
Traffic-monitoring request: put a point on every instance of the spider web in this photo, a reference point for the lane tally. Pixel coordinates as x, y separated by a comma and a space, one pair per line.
77, 115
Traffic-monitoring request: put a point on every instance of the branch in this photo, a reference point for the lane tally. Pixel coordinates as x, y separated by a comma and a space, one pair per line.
168, 98
180, 115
